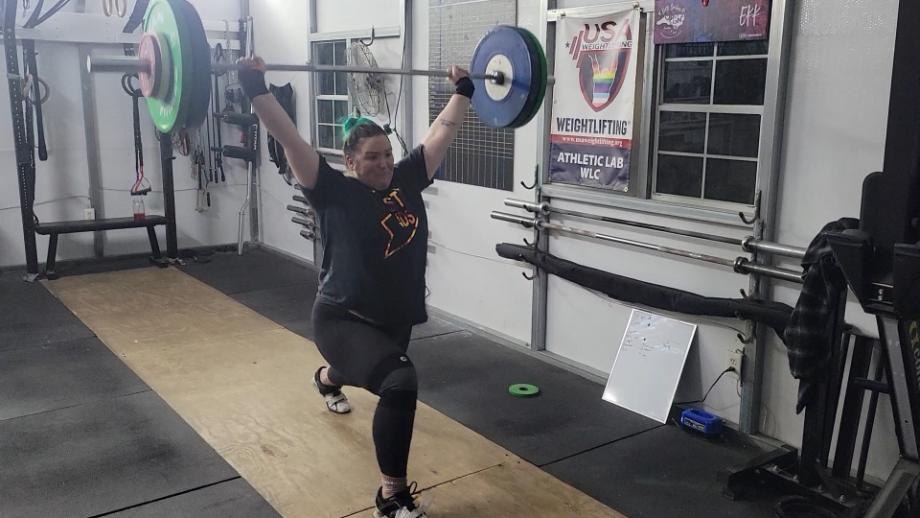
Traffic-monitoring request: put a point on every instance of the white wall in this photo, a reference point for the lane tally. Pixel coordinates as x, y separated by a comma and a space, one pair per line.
347, 15
835, 130
281, 29
63, 181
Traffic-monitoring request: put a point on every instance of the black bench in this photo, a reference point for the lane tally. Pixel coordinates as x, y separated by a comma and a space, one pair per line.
53, 229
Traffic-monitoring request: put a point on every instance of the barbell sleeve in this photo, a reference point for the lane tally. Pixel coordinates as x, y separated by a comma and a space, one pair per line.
751, 244
130, 64
126, 64
310, 225
539, 208
300, 210
513, 218
743, 265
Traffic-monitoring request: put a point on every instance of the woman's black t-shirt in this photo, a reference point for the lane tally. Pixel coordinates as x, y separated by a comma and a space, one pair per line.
374, 242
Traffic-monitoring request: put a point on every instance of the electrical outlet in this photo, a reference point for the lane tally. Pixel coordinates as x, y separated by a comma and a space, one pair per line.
89, 213
735, 360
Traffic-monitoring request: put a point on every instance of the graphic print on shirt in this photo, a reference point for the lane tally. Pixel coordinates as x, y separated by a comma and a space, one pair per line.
400, 224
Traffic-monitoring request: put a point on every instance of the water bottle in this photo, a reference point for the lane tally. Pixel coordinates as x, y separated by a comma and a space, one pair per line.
137, 202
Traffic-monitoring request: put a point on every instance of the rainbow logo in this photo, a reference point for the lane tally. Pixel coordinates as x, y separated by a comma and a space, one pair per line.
603, 80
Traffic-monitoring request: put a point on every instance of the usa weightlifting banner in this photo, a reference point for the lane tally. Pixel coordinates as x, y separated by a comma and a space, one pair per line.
592, 123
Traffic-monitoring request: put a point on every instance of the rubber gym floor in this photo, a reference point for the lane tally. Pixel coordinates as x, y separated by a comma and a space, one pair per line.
85, 435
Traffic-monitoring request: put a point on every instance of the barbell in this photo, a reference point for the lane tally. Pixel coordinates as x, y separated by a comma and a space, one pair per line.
174, 67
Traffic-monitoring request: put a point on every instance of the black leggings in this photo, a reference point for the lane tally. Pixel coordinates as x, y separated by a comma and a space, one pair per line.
373, 357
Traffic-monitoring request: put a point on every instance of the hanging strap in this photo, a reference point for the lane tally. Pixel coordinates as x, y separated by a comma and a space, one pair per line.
28, 49
138, 145
135, 94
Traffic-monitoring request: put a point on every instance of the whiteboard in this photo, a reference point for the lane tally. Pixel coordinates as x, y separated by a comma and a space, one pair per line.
649, 363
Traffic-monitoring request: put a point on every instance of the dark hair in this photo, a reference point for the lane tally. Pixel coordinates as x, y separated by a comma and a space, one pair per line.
356, 128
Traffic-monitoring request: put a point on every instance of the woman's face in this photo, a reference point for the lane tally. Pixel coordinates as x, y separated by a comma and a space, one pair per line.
372, 162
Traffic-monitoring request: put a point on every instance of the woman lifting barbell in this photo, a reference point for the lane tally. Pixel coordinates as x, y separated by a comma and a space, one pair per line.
374, 229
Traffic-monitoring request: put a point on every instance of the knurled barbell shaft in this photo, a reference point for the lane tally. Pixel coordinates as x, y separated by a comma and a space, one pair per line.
132, 64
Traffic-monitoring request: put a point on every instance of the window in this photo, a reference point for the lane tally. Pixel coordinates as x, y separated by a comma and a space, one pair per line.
331, 96
709, 102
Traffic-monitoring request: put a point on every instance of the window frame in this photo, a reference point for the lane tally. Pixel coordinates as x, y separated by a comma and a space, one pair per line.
651, 174
317, 97
642, 197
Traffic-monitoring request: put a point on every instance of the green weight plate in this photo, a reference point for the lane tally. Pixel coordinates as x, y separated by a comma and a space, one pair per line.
544, 72
198, 82
161, 19
532, 88
524, 390
538, 80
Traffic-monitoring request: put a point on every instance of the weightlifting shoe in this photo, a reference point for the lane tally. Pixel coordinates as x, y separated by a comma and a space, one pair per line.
336, 401
400, 505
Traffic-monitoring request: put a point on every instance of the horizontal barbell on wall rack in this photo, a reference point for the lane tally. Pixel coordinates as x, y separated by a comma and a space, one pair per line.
749, 244
307, 223
739, 264
301, 210
174, 66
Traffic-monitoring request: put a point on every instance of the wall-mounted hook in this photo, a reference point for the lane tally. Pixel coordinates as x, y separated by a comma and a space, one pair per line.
369, 43
745, 339
756, 215
536, 181
528, 277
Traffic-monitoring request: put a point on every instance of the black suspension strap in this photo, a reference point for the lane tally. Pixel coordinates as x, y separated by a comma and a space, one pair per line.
139, 187
29, 113
31, 65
